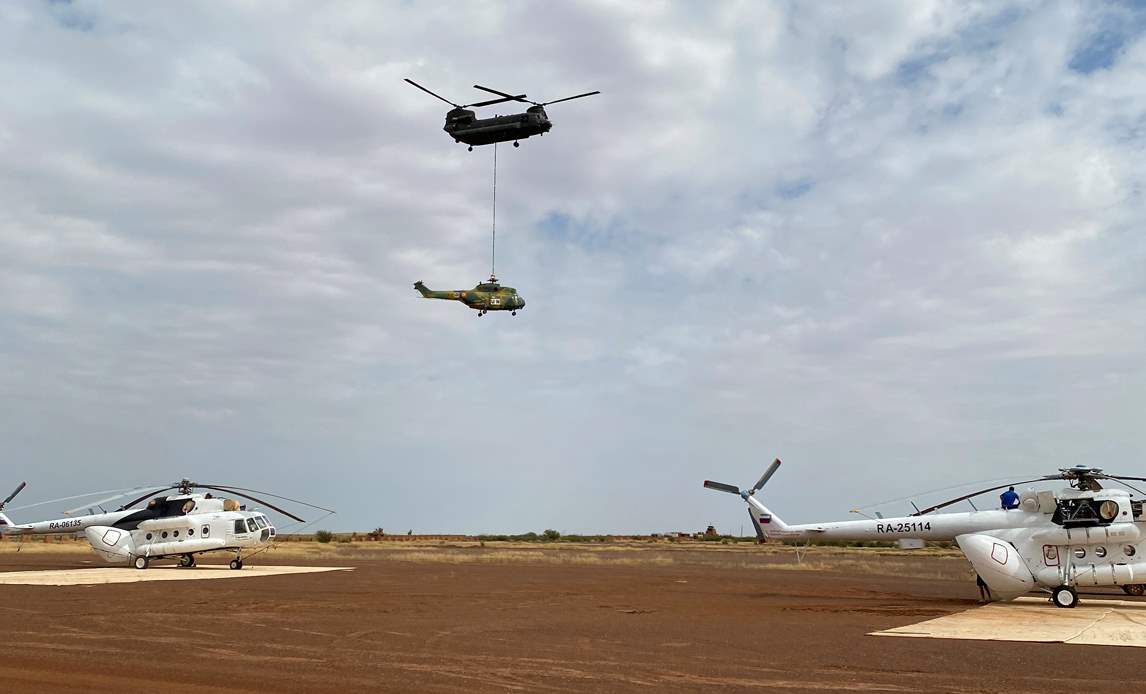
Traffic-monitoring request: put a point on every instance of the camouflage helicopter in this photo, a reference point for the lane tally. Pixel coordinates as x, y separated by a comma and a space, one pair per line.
484, 297
464, 126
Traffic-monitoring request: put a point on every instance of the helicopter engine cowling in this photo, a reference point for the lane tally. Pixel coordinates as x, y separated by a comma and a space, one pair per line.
111, 544
998, 564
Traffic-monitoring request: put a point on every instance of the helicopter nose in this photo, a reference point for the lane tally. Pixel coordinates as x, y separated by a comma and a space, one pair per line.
521, 302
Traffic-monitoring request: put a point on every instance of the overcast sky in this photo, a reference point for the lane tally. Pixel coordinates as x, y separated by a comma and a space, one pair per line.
897, 244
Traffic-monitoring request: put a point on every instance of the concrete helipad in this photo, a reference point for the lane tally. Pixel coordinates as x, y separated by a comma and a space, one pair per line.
1093, 622
117, 574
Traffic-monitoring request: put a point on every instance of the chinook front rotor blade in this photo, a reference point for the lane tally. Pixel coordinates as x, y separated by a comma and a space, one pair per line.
568, 98
722, 487
508, 97
945, 504
767, 475
436, 96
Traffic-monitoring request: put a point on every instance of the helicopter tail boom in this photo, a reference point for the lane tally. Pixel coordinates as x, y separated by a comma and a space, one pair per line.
428, 293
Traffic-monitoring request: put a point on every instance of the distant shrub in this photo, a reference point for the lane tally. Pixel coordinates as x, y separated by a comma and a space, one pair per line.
324, 536
551, 535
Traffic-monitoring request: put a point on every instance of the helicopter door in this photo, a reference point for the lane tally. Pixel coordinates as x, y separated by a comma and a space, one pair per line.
1050, 555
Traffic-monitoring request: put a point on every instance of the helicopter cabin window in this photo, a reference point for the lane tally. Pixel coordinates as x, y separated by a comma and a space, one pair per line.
251, 525
206, 531
240, 527
190, 532
1080, 553
164, 533
176, 533
260, 522
1129, 550
148, 536
1100, 552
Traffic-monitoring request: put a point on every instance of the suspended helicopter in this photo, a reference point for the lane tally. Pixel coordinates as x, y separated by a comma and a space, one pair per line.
178, 526
1083, 536
463, 124
484, 297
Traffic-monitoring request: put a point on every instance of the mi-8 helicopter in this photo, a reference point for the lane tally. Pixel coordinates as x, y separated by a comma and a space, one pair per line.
179, 526
1085, 535
464, 126
484, 297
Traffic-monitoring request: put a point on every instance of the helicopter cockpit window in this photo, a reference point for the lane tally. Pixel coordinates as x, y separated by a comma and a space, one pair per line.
240, 527
260, 521
251, 525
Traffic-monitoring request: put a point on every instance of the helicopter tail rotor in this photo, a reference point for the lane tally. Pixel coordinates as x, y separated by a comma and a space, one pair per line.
762, 519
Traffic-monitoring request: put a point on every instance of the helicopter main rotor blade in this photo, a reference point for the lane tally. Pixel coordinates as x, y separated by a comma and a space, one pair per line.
722, 487
956, 500
568, 98
491, 102
436, 96
148, 495
13, 495
254, 499
1120, 477
277, 496
767, 475
118, 495
508, 97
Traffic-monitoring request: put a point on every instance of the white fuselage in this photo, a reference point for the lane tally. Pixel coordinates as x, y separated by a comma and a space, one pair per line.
199, 525
1012, 550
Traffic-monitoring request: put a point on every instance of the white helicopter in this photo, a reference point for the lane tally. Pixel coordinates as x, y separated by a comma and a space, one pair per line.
1083, 536
178, 526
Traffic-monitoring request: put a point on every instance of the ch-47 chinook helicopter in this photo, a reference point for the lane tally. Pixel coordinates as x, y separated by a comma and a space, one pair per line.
1085, 535
178, 526
486, 296
464, 126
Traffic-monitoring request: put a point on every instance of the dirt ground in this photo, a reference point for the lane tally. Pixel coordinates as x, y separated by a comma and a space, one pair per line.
493, 619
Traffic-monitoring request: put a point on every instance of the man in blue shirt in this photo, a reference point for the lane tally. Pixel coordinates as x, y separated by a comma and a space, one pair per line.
1010, 499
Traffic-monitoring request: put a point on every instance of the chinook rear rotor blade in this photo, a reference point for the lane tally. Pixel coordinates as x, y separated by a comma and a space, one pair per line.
13, 495
505, 97
568, 98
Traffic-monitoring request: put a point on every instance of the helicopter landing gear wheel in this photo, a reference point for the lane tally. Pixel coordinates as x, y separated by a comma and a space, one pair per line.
513, 313
187, 561
141, 563
1064, 596
516, 144
236, 564
471, 148
1135, 589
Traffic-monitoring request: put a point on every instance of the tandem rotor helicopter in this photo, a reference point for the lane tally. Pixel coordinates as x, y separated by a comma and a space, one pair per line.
464, 126
1085, 535
179, 526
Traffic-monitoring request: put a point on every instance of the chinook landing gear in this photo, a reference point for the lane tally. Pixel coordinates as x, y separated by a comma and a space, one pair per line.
1064, 596
187, 561
141, 563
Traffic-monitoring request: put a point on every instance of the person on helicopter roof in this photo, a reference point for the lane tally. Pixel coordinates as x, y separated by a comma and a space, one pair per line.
1010, 499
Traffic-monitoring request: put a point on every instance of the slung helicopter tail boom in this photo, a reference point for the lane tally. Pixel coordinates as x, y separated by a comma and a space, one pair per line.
428, 293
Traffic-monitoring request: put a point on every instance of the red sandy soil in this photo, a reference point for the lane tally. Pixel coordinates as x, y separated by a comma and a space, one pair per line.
402, 626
